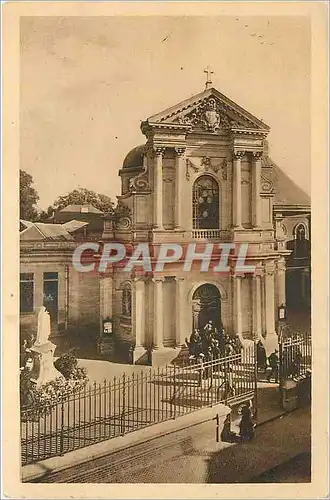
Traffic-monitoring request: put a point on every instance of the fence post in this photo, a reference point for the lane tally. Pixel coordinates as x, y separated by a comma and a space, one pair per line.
281, 361
122, 417
62, 428
255, 364
226, 379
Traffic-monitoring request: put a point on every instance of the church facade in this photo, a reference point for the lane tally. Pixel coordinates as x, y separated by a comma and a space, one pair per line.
203, 175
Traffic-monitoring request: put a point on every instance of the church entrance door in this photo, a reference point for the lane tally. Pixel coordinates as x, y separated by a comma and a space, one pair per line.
206, 306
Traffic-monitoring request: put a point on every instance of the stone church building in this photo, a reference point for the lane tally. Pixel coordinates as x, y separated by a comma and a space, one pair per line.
203, 175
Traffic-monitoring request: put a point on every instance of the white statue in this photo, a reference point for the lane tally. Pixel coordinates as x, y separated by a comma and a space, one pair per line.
44, 350
43, 332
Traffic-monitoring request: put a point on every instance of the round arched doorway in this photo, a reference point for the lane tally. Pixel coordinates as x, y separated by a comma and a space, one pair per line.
206, 306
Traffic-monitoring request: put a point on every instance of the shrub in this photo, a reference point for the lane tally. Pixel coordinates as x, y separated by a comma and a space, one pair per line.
67, 364
40, 400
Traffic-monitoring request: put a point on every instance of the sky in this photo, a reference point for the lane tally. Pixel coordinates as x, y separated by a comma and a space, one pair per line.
88, 82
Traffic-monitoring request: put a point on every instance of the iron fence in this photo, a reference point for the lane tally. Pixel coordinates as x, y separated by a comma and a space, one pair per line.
295, 356
113, 408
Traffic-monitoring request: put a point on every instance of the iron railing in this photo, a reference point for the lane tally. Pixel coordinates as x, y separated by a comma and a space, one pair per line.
295, 356
110, 409
211, 234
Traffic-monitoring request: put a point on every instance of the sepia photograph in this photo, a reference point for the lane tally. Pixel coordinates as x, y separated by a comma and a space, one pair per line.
165, 288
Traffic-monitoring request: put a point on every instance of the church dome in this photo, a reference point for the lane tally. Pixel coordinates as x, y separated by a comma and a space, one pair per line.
134, 157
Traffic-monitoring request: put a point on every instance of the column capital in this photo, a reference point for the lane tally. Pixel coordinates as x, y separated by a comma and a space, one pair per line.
137, 279
159, 150
179, 150
234, 275
269, 269
179, 279
281, 265
256, 155
158, 279
238, 154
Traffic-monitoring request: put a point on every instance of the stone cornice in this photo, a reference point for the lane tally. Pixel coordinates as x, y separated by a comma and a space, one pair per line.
249, 131
148, 128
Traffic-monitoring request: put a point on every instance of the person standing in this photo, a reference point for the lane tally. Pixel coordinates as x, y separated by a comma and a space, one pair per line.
274, 364
246, 426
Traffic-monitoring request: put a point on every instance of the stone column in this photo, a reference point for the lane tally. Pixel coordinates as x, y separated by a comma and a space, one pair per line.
270, 298
237, 188
158, 313
180, 329
179, 171
238, 304
256, 174
138, 303
281, 297
257, 325
158, 187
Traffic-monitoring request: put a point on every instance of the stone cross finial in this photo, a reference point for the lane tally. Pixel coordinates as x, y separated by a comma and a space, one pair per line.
209, 72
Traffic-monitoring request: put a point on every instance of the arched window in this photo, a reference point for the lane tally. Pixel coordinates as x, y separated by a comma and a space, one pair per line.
301, 246
126, 304
300, 232
205, 203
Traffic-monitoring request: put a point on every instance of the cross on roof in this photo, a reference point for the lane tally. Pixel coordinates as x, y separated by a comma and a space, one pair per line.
209, 72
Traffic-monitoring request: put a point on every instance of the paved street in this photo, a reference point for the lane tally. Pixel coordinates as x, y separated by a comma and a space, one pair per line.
196, 458
296, 470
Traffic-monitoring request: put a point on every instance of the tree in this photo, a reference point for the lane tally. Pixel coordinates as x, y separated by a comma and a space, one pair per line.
45, 215
28, 197
83, 196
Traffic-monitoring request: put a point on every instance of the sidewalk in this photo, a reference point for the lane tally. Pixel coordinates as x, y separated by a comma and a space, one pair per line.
192, 457
275, 442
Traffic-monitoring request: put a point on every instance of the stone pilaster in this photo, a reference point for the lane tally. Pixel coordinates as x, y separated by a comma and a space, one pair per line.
269, 298
158, 333
158, 187
180, 327
256, 176
237, 286
179, 172
138, 310
281, 296
237, 188
257, 324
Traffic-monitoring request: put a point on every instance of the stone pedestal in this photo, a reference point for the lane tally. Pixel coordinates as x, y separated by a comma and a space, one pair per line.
105, 345
44, 370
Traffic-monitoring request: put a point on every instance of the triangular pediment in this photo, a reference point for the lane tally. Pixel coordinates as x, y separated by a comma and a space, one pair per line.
211, 111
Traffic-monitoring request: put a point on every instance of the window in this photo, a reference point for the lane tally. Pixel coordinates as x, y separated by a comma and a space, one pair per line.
206, 203
127, 301
26, 292
51, 294
300, 232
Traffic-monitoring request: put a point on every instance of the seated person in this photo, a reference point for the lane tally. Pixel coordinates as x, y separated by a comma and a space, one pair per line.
227, 435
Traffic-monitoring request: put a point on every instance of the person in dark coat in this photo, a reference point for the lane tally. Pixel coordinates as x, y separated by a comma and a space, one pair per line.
274, 364
194, 344
227, 435
261, 356
246, 426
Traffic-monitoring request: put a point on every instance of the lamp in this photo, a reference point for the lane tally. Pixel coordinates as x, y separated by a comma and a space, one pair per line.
281, 315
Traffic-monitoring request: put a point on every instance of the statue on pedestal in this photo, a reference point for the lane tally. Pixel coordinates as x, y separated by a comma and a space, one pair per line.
43, 332
45, 370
